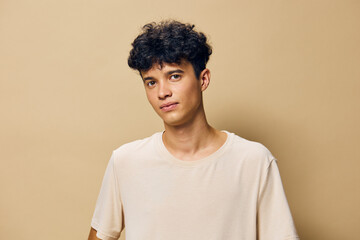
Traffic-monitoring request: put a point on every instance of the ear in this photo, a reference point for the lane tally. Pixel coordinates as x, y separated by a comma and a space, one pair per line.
205, 79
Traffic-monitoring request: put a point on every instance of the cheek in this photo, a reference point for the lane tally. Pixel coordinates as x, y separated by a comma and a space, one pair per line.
150, 97
193, 92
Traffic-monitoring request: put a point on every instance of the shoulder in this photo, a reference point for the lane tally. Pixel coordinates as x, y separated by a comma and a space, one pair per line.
140, 147
250, 150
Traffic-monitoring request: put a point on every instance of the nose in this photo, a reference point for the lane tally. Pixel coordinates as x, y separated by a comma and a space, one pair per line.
164, 90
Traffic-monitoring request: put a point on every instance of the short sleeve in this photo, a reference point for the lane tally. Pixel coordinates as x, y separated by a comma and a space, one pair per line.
274, 220
108, 215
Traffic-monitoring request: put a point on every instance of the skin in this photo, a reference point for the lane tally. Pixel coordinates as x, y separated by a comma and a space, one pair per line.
92, 235
187, 135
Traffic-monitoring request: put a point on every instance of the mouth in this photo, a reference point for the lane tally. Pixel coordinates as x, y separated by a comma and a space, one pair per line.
168, 106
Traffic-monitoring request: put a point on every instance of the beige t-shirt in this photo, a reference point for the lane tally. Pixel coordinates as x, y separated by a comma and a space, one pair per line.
234, 194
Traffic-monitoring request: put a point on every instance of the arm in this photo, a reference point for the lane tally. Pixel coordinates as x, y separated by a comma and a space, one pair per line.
92, 235
107, 221
274, 216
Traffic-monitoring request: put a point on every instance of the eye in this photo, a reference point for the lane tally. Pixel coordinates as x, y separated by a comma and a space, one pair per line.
175, 77
150, 83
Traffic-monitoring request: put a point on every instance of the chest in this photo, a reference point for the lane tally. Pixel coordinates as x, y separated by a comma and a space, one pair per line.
173, 191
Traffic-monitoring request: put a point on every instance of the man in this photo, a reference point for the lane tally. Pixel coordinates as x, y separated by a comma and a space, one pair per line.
191, 181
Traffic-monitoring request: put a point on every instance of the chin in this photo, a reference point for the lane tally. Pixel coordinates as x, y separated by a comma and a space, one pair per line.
171, 120
175, 121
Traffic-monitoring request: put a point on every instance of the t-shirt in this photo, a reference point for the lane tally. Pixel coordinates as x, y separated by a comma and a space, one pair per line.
233, 194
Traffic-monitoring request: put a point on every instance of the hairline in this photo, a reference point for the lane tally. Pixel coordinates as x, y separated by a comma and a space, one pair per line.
163, 62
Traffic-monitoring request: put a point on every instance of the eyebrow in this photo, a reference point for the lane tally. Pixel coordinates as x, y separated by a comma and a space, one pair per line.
167, 73
175, 71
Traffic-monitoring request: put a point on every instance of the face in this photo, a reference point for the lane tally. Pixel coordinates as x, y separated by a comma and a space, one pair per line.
174, 91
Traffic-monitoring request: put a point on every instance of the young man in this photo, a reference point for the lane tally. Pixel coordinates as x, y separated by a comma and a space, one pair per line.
191, 181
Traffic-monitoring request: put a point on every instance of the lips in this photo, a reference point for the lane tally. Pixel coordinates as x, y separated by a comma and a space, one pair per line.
168, 106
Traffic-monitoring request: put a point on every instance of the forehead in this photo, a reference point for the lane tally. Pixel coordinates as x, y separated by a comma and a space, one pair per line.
164, 68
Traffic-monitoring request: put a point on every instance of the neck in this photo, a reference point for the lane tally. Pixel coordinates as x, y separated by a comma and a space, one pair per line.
187, 141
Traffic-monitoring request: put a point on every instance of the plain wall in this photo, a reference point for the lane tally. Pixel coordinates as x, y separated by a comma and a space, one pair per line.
284, 73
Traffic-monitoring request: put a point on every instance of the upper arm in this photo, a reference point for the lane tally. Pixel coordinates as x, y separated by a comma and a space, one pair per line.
92, 235
107, 220
274, 216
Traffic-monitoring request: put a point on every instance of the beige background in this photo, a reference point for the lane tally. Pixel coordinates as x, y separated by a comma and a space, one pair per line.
284, 73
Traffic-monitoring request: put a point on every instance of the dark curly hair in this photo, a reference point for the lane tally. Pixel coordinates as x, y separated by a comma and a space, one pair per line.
169, 42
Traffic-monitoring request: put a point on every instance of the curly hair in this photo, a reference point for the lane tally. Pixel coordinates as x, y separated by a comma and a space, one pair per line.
169, 42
